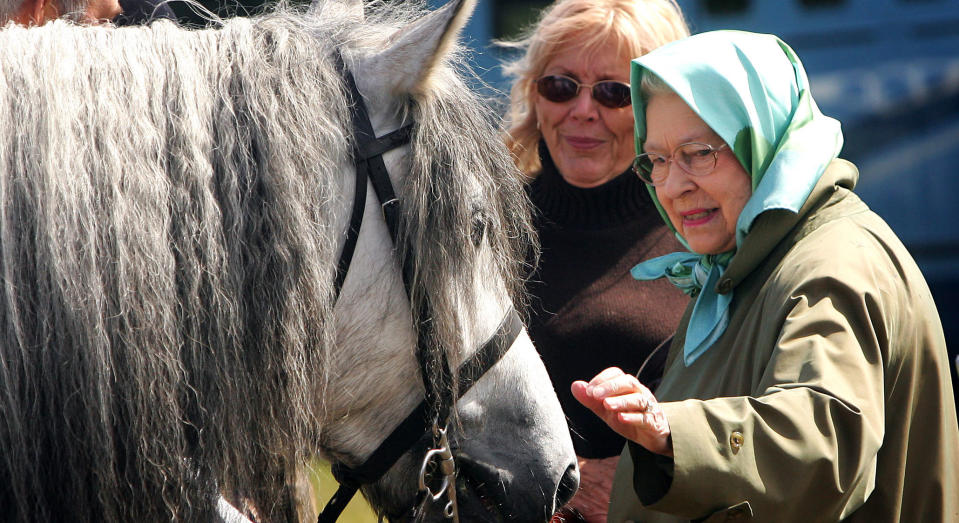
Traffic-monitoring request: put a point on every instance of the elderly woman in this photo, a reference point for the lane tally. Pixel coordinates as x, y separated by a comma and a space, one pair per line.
808, 380
571, 132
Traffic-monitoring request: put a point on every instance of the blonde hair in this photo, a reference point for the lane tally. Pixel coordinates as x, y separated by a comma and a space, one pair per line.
634, 27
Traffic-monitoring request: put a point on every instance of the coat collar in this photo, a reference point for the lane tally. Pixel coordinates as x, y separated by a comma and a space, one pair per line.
772, 226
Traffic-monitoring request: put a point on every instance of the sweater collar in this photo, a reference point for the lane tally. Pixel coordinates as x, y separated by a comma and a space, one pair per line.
617, 202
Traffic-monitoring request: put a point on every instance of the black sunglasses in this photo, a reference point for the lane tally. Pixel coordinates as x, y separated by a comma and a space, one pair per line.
558, 88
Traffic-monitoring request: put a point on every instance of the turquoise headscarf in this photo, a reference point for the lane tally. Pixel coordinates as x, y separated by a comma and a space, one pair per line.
751, 89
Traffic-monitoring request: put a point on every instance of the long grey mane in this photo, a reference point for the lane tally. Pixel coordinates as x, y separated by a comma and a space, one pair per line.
167, 255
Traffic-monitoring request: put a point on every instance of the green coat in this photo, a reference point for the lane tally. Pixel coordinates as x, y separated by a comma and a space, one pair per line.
827, 397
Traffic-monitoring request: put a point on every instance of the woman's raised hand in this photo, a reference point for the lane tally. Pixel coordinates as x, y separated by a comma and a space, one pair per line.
628, 407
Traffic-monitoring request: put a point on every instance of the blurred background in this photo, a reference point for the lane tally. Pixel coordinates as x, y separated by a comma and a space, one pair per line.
887, 69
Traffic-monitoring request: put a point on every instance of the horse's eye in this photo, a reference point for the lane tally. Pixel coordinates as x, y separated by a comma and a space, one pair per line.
478, 229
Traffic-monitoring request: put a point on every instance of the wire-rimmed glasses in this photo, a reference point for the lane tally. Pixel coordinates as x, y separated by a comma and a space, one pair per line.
694, 158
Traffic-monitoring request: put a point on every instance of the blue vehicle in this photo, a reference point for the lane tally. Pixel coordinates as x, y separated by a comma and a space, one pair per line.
887, 69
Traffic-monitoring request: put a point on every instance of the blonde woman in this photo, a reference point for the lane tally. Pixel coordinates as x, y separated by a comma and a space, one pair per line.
571, 133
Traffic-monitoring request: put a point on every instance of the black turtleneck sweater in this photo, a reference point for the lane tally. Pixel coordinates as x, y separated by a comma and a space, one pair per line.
586, 312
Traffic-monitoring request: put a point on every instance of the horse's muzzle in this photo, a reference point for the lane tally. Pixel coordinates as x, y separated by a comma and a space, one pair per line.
482, 492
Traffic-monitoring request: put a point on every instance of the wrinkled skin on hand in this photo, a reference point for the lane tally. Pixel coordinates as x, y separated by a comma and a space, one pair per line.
628, 407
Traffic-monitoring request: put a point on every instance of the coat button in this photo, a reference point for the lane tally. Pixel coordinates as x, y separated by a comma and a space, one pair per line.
736, 441
725, 285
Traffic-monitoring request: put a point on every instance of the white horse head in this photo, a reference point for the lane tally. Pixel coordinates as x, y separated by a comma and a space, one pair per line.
506, 409
173, 205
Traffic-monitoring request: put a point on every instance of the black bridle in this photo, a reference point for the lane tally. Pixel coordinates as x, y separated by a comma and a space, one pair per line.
434, 411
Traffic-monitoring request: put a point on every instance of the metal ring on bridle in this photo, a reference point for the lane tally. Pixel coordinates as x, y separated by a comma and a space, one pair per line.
447, 468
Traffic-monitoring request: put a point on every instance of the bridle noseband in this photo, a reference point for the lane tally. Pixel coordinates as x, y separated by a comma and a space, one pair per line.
432, 414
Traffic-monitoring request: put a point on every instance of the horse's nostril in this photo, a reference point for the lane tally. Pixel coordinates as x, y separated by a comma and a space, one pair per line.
489, 479
567, 486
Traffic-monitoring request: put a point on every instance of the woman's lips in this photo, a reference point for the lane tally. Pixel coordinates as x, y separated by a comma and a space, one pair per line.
694, 217
583, 142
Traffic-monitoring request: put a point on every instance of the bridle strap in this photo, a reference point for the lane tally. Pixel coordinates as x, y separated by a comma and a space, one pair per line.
368, 150
352, 234
413, 428
434, 410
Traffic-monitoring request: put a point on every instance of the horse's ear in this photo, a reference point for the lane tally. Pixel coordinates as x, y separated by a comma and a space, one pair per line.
352, 8
412, 52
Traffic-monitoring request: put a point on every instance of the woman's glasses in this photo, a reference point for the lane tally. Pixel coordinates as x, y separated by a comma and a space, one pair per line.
558, 88
696, 159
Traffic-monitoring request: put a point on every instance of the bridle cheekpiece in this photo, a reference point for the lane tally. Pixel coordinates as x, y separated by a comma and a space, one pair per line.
432, 414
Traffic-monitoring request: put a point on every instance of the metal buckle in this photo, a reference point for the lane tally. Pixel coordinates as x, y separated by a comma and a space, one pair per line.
447, 467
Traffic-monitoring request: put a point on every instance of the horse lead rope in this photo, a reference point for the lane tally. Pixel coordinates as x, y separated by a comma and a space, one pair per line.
368, 152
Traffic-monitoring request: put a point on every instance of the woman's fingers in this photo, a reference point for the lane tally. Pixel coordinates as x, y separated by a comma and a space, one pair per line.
617, 385
640, 419
627, 406
606, 375
610, 392
586, 392
609, 383
635, 402
579, 390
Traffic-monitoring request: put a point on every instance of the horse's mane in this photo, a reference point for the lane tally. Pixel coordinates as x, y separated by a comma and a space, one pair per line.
167, 254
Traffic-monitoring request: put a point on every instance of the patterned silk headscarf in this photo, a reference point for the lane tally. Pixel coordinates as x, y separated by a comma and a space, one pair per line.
752, 91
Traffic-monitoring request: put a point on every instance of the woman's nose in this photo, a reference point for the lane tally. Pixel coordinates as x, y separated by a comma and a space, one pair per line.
584, 106
678, 181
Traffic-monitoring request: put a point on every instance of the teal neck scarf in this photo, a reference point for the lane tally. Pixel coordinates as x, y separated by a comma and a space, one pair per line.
752, 90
